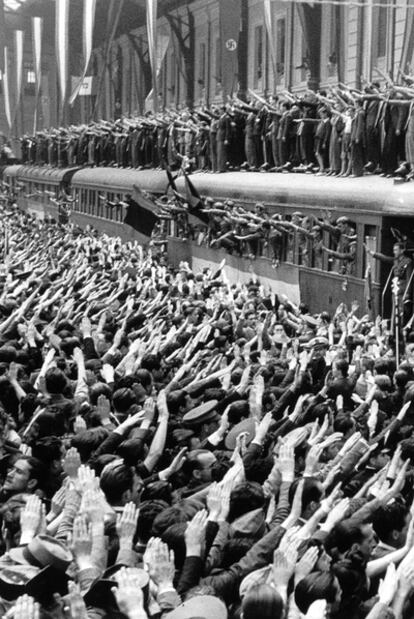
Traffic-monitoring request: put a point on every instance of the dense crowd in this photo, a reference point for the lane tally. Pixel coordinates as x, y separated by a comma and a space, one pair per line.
340, 132
176, 445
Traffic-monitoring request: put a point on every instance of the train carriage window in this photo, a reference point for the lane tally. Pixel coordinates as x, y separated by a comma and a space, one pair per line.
99, 208
342, 246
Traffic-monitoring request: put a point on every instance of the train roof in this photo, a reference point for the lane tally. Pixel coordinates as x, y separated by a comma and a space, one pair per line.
121, 179
12, 170
41, 174
369, 193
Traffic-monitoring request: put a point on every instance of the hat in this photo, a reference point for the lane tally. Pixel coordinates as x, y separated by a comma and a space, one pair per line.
342, 220
43, 550
317, 342
247, 425
14, 578
48, 581
201, 414
200, 606
252, 523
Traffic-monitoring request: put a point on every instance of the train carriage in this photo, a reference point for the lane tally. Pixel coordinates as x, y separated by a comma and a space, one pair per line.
36, 185
97, 190
375, 206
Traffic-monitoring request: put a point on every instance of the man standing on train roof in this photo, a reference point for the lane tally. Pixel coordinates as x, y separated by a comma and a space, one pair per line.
401, 270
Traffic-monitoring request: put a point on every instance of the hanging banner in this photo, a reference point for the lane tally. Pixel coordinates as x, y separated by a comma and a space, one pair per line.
152, 6
37, 30
2, 35
269, 29
18, 57
163, 41
62, 45
230, 26
6, 88
89, 7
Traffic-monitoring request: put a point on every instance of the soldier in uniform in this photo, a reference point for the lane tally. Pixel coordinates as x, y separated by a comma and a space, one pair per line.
402, 268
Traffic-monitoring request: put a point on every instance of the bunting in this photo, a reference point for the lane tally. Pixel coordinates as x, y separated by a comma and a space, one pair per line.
152, 6
268, 20
18, 57
61, 44
230, 26
6, 88
89, 7
37, 30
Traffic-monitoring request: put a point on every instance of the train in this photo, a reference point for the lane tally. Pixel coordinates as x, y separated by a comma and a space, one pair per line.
376, 207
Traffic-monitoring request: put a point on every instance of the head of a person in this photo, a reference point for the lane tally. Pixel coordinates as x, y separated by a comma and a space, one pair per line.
340, 368
312, 496
262, 601
390, 523
24, 475
120, 483
350, 536
55, 381
198, 465
245, 497
318, 586
398, 249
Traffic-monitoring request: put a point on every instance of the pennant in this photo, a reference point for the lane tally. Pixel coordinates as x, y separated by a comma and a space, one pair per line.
230, 26
140, 214
6, 88
89, 8
18, 46
2, 35
171, 178
37, 31
268, 20
194, 200
152, 7
368, 293
62, 45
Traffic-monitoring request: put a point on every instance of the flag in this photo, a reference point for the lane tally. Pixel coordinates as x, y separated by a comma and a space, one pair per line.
61, 45
368, 293
2, 35
194, 200
141, 213
37, 30
269, 29
6, 89
171, 178
230, 26
163, 42
18, 57
152, 6
89, 7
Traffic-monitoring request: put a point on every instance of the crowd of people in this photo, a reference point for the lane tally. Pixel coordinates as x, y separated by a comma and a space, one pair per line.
340, 132
176, 445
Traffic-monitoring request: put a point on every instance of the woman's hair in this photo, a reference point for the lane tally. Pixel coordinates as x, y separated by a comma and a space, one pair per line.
262, 601
316, 586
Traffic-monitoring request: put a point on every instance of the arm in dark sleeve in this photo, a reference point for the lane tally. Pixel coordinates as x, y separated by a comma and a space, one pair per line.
89, 350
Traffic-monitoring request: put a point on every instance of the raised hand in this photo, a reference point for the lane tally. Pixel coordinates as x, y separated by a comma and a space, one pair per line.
126, 524
306, 564
31, 518
82, 542
195, 533
71, 463
128, 593
162, 567
26, 608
